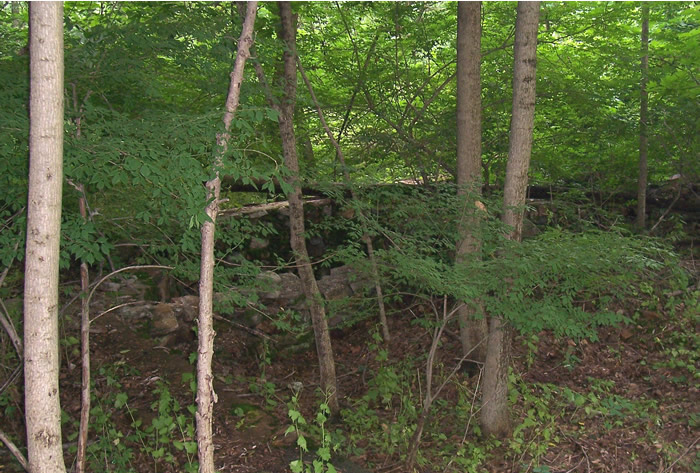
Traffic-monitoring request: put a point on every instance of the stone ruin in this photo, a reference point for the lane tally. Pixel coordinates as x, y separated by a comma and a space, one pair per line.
172, 321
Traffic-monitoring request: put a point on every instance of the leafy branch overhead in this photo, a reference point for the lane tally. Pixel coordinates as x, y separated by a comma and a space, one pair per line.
467, 243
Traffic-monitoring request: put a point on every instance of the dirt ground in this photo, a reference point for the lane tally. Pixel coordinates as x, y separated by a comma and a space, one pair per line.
637, 411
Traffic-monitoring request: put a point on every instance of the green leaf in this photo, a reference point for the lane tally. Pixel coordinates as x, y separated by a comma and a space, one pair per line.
296, 466
324, 453
120, 400
294, 414
301, 442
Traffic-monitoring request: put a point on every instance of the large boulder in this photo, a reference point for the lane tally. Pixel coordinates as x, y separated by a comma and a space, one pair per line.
334, 287
164, 320
271, 284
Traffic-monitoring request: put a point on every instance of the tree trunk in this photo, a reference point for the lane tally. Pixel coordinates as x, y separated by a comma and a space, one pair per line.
206, 397
296, 212
473, 332
495, 415
41, 366
643, 120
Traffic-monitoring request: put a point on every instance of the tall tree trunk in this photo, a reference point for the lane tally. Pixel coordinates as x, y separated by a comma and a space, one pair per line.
495, 415
296, 212
473, 331
206, 397
41, 366
643, 120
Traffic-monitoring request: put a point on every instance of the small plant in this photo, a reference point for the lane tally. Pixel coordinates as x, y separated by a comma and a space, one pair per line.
384, 419
532, 343
571, 360
111, 450
538, 429
681, 348
265, 388
171, 428
322, 462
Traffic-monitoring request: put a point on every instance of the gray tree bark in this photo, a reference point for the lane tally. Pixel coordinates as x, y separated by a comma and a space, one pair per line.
296, 212
495, 415
206, 397
41, 363
643, 120
473, 331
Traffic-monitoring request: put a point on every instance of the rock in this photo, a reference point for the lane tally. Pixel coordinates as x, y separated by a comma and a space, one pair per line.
348, 213
529, 229
109, 286
271, 283
290, 287
259, 243
135, 311
355, 279
133, 287
315, 246
334, 287
164, 320
187, 307
258, 214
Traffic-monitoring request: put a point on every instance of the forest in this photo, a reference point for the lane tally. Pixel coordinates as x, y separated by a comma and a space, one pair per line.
350, 237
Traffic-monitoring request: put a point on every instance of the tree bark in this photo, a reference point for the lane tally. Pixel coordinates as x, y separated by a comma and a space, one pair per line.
206, 397
472, 331
41, 363
523, 117
643, 120
495, 415
296, 212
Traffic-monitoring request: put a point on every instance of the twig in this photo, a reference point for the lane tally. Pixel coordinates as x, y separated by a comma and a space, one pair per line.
9, 327
585, 454
253, 331
121, 270
668, 468
12, 378
366, 238
116, 307
678, 195
472, 413
14, 450
576, 466
7, 268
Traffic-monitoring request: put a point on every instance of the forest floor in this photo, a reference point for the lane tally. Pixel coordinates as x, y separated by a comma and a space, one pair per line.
626, 403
